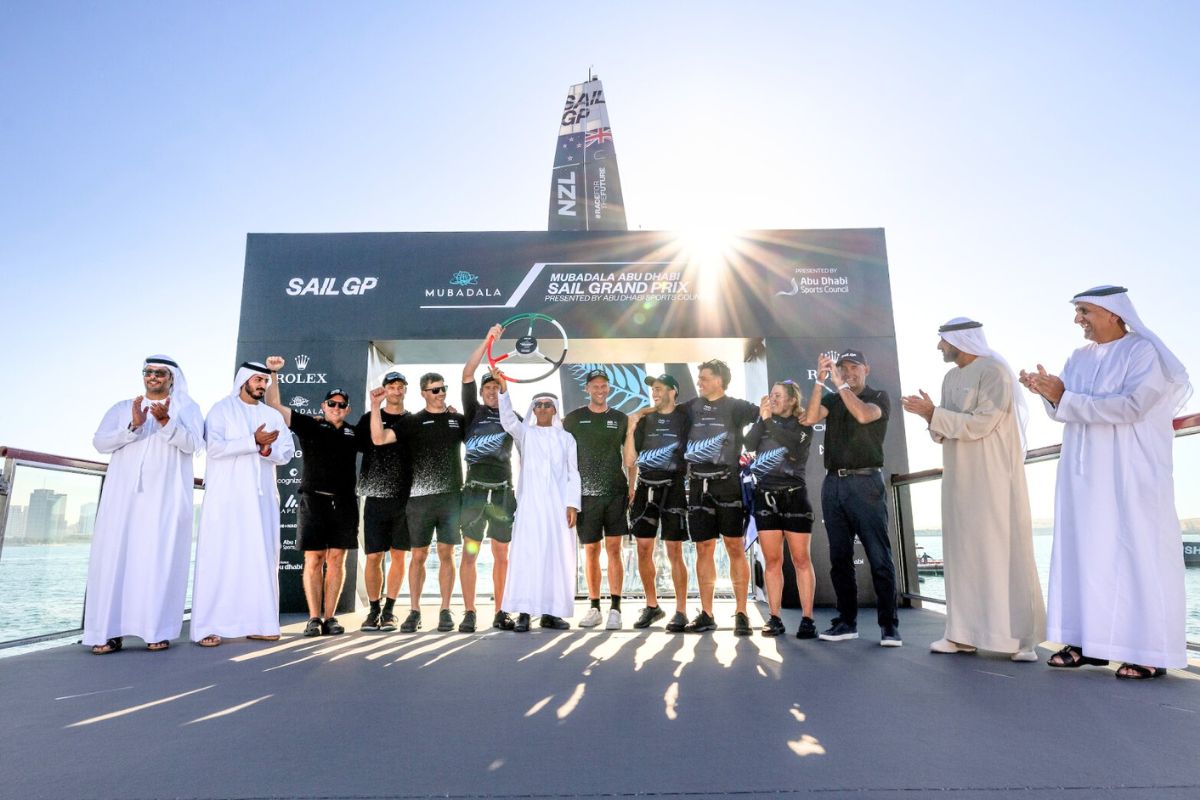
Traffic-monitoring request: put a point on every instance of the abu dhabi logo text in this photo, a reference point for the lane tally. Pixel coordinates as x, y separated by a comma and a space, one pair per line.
328, 287
816, 280
464, 284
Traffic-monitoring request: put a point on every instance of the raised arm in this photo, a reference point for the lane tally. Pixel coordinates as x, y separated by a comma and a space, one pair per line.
379, 434
862, 412
1142, 388
992, 399
815, 411
476, 357
275, 363
122, 425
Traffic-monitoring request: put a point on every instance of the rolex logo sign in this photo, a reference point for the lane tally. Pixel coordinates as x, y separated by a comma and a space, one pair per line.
301, 376
301, 361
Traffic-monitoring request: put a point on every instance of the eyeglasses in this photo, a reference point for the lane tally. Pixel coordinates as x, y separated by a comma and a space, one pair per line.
436, 389
336, 404
155, 373
543, 405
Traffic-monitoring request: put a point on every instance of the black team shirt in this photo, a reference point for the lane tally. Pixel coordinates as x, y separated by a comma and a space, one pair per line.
330, 455
599, 438
386, 470
848, 444
489, 448
660, 441
780, 447
433, 443
715, 436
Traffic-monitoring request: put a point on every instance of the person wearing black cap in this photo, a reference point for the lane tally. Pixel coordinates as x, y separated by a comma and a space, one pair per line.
852, 496
488, 499
384, 480
327, 520
599, 431
654, 449
715, 508
432, 438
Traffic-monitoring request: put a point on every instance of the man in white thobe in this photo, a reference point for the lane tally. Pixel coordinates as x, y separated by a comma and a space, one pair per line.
1116, 571
541, 563
137, 572
236, 589
993, 598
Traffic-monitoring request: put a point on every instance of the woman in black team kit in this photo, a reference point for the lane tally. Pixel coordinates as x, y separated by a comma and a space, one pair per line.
781, 507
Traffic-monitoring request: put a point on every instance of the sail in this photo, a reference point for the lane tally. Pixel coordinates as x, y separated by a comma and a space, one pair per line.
585, 187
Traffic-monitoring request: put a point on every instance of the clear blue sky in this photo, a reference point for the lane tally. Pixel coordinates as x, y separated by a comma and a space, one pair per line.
1014, 152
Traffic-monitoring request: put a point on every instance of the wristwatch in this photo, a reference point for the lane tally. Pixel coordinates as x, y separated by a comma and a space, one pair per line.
843, 385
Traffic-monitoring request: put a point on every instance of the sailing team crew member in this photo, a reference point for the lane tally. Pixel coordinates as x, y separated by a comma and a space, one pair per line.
142, 539
236, 587
993, 597
781, 507
1116, 572
327, 519
654, 448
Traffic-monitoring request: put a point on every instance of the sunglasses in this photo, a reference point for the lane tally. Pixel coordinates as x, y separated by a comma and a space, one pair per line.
435, 389
543, 405
156, 373
336, 404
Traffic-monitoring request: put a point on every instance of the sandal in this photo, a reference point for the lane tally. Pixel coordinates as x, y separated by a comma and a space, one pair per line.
210, 641
1136, 672
111, 646
163, 645
1071, 657
259, 637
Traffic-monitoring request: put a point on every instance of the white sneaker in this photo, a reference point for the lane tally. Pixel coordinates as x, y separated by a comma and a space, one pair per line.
614, 620
591, 619
947, 646
1024, 655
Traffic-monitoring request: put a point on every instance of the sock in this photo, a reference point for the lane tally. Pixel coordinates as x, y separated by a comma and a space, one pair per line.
616, 603
389, 604
595, 602
375, 605
653, 608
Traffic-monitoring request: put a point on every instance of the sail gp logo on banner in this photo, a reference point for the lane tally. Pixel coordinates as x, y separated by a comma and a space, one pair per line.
328, 287
570, 282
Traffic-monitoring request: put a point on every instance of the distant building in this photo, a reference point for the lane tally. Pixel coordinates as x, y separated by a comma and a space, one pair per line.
87, 520
46, 519
14, 528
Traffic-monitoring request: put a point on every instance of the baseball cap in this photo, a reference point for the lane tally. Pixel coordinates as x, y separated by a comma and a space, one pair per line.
664, 379
853, 355
393, 376
593, 374
486, 379
335, 392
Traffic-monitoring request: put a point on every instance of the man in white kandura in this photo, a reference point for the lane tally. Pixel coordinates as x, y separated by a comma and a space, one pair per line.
993, 598
1116, 572
236, 589
137, 572
541, 563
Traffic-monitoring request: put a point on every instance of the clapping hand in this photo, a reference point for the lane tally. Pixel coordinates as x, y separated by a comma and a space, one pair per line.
139, 413
764, 407
264, 437
919, 404
1041, 382
161, 411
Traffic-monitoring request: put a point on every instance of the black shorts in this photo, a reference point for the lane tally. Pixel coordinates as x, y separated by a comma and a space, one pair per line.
324, 521
791, 511
487, 511
716, 510
385, 524
434, 512
601, 516
655, 506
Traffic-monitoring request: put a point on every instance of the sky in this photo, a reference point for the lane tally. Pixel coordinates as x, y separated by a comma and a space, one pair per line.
1015, 153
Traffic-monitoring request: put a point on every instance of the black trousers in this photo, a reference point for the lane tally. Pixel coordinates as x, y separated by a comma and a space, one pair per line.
855, 506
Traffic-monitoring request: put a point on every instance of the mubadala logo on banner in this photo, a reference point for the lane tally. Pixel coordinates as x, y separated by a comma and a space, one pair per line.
463, 284
330, 286
577, 282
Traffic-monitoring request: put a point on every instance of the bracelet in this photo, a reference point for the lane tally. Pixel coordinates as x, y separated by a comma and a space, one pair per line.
843, 385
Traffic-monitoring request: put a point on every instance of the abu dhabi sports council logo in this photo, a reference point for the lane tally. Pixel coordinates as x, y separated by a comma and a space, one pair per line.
463, 278
302, 361
815, 280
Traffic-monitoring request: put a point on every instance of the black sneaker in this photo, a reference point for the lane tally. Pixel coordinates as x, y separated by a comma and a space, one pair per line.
807, 629
445, 620
649, 616
371, 623
741, 625
387, 622
677, 623
522, 624
890, 637
703, 622
313, 628
468, 623
839, 631
503, 621
412, 622
551, 622
773, 627
330, 627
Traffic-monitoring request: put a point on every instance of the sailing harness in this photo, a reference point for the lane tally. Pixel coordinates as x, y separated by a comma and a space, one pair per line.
656, 492
773, 497
713, 473
491, 489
